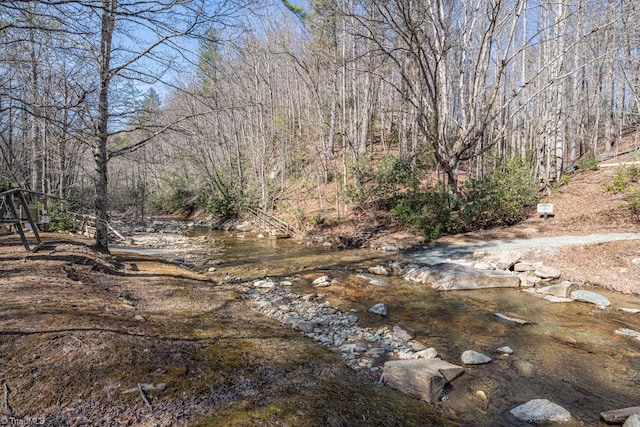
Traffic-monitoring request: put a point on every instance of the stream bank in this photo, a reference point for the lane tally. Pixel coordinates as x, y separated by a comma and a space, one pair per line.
572, 350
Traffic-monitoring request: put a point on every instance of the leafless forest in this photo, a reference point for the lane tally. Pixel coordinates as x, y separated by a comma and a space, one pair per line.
129, 104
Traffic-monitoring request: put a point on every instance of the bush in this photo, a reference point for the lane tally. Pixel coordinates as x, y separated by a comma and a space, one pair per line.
588, 162
633, 173
620, 182
433, 212
634, 203
505, 196
392, 174
60, 219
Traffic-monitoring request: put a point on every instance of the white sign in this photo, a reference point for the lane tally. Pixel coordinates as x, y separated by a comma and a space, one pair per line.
545, 208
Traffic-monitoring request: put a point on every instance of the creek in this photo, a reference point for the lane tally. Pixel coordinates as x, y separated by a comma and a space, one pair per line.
568, 353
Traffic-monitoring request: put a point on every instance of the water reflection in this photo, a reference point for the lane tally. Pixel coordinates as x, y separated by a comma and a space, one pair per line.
568, 353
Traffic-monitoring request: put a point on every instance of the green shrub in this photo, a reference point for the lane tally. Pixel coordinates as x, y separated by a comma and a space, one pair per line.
620, 182
634, 203
391, 175
588, 162
433, 212
60, 219
317, 220
505, 196
633, 173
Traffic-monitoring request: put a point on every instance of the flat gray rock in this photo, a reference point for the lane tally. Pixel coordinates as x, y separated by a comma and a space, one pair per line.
449, 276
546, 272
508, 259
372, 279
379, 308
471, 357
511, 319
632, 421
538, 411
264, 284
561, 290
619, 415
380, 270
590, 297
628, 332
522, 266
505, 350
421, 378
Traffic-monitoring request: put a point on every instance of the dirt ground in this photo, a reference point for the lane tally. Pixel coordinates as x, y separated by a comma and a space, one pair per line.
81, 333
88, 339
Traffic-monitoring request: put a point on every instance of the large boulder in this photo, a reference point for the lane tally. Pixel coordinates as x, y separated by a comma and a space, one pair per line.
421, 378
448, 276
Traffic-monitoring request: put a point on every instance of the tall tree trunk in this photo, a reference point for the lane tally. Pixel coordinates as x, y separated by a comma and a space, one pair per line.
100, 154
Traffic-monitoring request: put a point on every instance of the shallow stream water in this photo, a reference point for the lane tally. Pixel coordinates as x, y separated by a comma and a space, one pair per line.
568, 353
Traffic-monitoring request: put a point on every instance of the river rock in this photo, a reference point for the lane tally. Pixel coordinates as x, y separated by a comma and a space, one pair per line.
264, 284
511, 319
539, 411
528, 280
505, 350
427, 353
304, 326
380, 270
552, 298
523, 266
628, 332
482, 265
618, 416
471, 357
449, 276
508, 260
372, 279
421, 378
379, 308
591, 297
244, 226
561, 290
632, 421
479, 254
353, 348
401, 333
322, 281
547, 272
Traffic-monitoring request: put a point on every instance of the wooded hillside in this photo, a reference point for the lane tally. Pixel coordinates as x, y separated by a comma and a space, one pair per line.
175, 106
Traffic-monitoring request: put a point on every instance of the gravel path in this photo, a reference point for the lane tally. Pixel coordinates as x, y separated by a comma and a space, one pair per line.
443, 253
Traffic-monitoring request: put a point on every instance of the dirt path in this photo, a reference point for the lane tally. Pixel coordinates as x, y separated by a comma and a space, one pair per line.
442, 252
